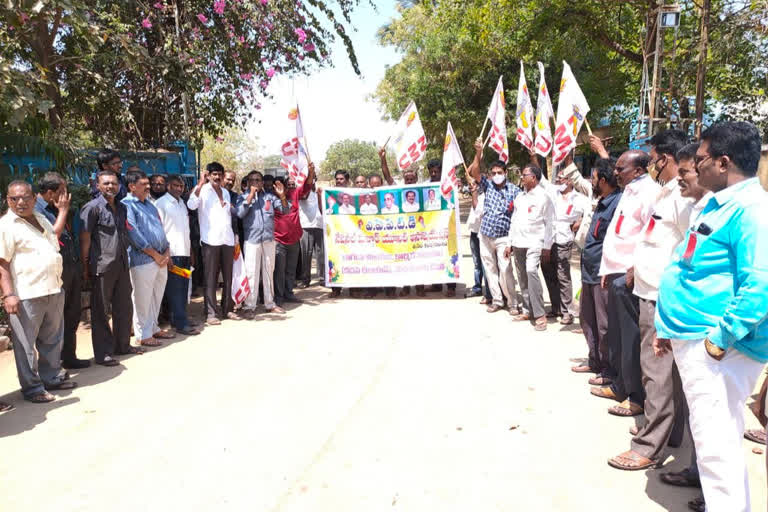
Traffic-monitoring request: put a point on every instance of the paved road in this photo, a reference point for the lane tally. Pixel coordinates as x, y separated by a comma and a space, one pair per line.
342, 405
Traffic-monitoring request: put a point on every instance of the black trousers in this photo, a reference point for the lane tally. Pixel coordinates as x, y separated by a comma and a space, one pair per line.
71, 276
624, 340
218, 258
557, 275
111, 289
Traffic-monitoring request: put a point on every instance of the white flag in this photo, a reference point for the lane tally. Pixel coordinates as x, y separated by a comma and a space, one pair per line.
451, 158
409, 139
498, 134
544, 113
524, 113
572, 109
295, 158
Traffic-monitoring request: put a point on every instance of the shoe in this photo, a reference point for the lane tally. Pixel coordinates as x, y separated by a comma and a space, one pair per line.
684, 478
108, 361
553, 314
212, 320
233, 316
474, 293
493, 308
61, 385
76, 364
188, 331
567, 319
335, 292
302, 286
294, 299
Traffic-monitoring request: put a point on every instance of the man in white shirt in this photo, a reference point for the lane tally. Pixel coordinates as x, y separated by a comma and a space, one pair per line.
175, 218
215, 211
410, 205
158, 187
530, 238
311, 242
346, 207
369, 205
389, 204
432, 203
617, 274
569, 209
30, 283
665, 229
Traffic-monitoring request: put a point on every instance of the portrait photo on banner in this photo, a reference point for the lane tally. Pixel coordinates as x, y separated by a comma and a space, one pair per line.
432, 200
341, 203
390, 201
410, 201
369, 203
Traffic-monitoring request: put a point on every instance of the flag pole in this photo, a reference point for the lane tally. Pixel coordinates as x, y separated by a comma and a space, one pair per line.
483, 130
589, 130
386, 142
306, 145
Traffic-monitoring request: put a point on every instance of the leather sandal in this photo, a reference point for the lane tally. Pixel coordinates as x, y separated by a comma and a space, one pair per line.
626, 408
604, 393
632, 461
684, 478
756, 435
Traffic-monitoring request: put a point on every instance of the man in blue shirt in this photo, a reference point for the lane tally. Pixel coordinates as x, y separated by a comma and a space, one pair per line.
257, 209
149, 257
494, 231
712, 305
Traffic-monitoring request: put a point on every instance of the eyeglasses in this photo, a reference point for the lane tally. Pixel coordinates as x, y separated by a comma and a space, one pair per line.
526, 175
16, 199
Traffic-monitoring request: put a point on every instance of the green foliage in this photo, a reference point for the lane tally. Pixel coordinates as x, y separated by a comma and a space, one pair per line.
356, 156
125, 69
454, 51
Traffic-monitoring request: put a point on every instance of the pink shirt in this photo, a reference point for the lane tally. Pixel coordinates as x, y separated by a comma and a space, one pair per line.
626, 228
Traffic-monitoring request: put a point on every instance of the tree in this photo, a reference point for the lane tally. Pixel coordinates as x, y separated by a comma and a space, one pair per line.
356, 156
454, 51
143, 73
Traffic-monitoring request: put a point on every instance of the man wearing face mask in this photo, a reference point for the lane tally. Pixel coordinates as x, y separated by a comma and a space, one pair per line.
670, 217
104, 253
157, 187
499, 204
617, 275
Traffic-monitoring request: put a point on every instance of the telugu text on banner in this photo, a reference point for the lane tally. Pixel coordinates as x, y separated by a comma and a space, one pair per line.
390, 236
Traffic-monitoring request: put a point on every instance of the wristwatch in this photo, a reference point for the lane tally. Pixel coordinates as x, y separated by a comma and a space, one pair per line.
713, 350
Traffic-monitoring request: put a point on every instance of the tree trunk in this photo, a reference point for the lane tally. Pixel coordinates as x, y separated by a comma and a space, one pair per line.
701, 71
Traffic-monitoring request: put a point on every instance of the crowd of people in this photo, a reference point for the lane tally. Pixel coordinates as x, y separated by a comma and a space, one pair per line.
673, 292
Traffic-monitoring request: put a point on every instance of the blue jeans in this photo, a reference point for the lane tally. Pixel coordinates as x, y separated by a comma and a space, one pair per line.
474, 246
176, 292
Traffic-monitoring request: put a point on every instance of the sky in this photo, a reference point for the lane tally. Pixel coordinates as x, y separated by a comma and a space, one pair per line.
333, 101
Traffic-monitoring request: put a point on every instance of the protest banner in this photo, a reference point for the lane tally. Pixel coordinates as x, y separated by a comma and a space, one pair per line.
524, 113
295, 158
240, 287
390, 236
451, 158
409, 138
544, 113
572, 108
497, 136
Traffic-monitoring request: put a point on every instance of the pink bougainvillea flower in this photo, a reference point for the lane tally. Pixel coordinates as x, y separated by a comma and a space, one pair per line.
191, 60
309, 47
241, 39
264, 2
158, 5
219, 6
246, 76
263, 84
23, 17
261, 43
271, 72
199, 120
219, 139
146, 23
300, 34
202, 18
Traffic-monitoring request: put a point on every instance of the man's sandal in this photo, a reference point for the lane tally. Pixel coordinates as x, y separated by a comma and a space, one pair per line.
42, 397
626, 409
4, 407
632, 461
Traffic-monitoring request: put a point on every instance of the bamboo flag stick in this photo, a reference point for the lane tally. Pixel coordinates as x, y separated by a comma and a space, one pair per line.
386, 142
483, 130
589, 130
